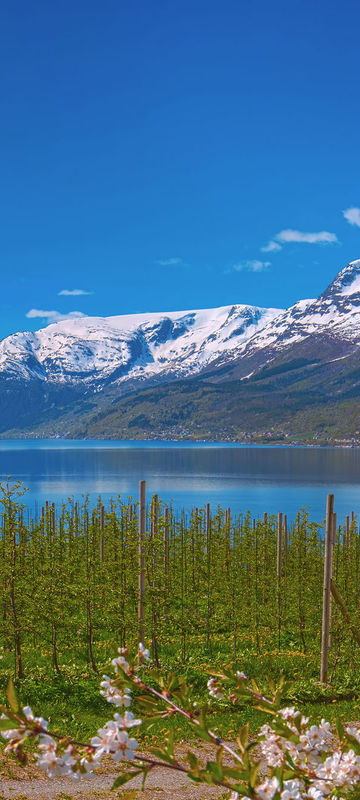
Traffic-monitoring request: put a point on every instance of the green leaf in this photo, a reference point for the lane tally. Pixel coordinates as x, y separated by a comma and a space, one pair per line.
340, 730
204, 734
192, 759
243, 737
12, 696
125, 777
237, 787
236, 772
354, 743
214, 770
202, 728
169, 739
147, 703
297, 723
253, 774
6, 724
215, 674
264, 708
290, 761
146, 771
148, 699
162, 754
194, 776
288, 774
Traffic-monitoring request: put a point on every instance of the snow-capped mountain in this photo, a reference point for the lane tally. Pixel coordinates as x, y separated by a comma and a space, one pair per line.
336, 311
96, 351
241, 363
333, 317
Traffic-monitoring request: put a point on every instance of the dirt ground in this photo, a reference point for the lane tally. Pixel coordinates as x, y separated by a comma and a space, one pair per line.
30, 783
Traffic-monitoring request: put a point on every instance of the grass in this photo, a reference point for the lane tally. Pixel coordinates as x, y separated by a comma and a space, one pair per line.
72, 703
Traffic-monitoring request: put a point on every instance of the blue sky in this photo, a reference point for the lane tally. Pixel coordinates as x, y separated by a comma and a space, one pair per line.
151, 150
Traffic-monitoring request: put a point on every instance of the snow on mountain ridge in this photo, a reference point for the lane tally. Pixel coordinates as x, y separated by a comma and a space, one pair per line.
346, 283
98, 350
335, 313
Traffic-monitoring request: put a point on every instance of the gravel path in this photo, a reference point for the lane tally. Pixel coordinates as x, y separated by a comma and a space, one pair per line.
17, 783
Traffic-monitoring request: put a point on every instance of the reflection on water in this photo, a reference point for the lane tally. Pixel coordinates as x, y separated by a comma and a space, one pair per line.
242, 477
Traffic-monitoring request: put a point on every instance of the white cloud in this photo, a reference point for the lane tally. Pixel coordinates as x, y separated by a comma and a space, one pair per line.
252, 266
73, 292
290, 235
53, 316
352, 215
322, 237
271, 247
170, 262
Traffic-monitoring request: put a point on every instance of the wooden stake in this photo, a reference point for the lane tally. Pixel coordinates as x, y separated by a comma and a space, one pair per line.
279, 545
102, 528
333, 540
208, 549
166, 542
227, 534
326, 589
285, 547
278, 571
154, 514
141, 561
52, 518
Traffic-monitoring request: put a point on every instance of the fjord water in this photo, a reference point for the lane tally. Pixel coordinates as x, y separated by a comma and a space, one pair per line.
243, 477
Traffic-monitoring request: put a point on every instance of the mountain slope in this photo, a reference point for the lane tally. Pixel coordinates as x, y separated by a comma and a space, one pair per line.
311, 331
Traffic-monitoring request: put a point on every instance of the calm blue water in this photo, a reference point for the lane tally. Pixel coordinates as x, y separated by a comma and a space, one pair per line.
243, 477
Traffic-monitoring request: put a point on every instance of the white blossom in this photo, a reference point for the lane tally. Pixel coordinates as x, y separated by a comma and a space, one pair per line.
113, 740
315, 793
355, 732
127, 721
268, 788
120, 662
270, 749
317, 737
86, 765
13, 733
143, 655
289, 713
215, 689
106, 740
292, 790
24, 730
126, 747
51, 762
112, 693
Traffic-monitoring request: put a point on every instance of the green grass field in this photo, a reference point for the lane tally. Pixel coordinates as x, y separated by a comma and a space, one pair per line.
73, 705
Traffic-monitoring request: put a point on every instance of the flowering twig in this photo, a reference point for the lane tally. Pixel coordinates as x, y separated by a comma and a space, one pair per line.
301, 760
